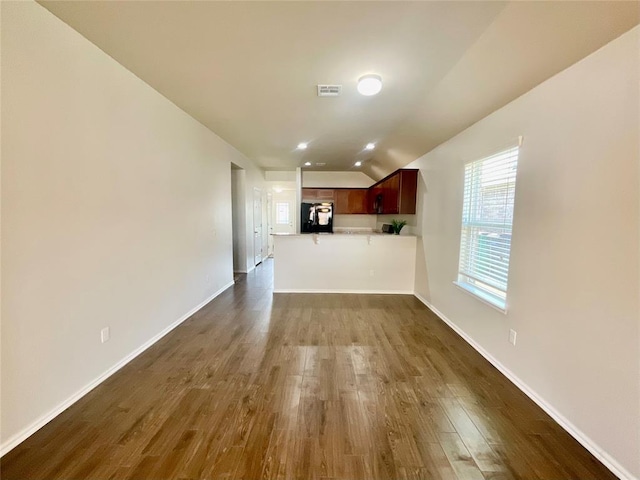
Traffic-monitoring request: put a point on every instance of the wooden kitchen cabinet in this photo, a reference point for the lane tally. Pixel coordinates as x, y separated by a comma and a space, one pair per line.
325, 195
345, 200
309, 195
318, 195
390, 191
374, 200
395, 194
350, 200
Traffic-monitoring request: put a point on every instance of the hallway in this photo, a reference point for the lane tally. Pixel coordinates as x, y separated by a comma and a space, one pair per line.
309, 386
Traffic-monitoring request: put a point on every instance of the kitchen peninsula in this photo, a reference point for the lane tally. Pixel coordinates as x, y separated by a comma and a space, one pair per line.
361, 262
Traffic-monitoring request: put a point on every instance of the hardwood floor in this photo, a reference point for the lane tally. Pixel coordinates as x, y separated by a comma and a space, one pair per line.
302, 386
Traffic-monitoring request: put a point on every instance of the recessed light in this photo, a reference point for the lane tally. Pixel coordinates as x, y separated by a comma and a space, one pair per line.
307, 164
277, 189
369, 84
370, 146
302, 146
357, 164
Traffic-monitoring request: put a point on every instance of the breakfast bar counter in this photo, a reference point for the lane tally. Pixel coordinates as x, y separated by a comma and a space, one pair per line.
356, 262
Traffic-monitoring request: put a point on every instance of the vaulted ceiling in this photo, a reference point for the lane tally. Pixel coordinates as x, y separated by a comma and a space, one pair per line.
249, 70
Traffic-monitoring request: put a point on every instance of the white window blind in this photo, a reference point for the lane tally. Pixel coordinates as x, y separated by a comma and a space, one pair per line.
282, 213
487, 216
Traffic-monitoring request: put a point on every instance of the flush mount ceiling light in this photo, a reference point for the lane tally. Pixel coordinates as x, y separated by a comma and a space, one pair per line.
357, 164
370, 146
302, 146
369, 84
307, 164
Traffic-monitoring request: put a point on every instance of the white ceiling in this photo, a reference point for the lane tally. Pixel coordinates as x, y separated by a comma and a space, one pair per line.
248, 70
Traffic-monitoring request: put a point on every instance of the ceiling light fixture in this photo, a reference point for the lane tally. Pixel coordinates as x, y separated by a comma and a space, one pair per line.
307, 164
370, 146
302, 146
369, 84
357, 164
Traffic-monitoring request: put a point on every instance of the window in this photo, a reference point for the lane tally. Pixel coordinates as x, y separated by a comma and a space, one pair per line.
487, 216
282, 213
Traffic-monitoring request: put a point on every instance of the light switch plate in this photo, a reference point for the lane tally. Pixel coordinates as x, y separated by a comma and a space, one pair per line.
105, 334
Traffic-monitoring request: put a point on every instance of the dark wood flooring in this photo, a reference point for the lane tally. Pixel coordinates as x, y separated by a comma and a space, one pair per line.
301, 386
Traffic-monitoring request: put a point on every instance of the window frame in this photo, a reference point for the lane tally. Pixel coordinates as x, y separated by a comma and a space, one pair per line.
288, 213
469, 240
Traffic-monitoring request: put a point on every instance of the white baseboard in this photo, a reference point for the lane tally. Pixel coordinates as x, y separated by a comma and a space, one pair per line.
21, 436
325, 290
574, 431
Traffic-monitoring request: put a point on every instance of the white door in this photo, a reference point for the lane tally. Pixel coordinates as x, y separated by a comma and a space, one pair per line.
269, 225
257, 226
284, 212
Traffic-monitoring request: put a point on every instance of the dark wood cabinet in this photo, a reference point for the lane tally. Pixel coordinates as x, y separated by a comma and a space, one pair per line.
309, 195
408, 191
374, 200
390, 193
394, 194
350, 200
318, 195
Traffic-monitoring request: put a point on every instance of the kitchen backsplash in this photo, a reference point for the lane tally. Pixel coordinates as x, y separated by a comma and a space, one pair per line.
354, 221
373, 222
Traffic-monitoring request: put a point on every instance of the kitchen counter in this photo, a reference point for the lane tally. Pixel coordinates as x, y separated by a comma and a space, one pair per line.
353, 233
358, 262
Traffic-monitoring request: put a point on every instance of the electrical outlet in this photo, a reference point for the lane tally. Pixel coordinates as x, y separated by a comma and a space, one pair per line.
512, 337
105, 334
372, 273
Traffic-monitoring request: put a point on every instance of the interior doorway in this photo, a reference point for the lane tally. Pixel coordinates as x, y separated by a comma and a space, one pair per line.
238, 219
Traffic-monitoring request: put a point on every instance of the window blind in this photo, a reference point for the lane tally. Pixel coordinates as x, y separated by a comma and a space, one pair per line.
487, 217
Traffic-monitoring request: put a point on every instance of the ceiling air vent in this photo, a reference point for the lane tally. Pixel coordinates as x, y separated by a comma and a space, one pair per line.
329, 90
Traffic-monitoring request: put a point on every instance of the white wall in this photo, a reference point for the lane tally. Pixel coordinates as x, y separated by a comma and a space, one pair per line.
312, 179
286, 176
574, 279
115, 212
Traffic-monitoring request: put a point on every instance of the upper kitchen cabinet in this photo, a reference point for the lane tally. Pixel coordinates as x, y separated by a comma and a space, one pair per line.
318, 195
350, 200
395, 194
